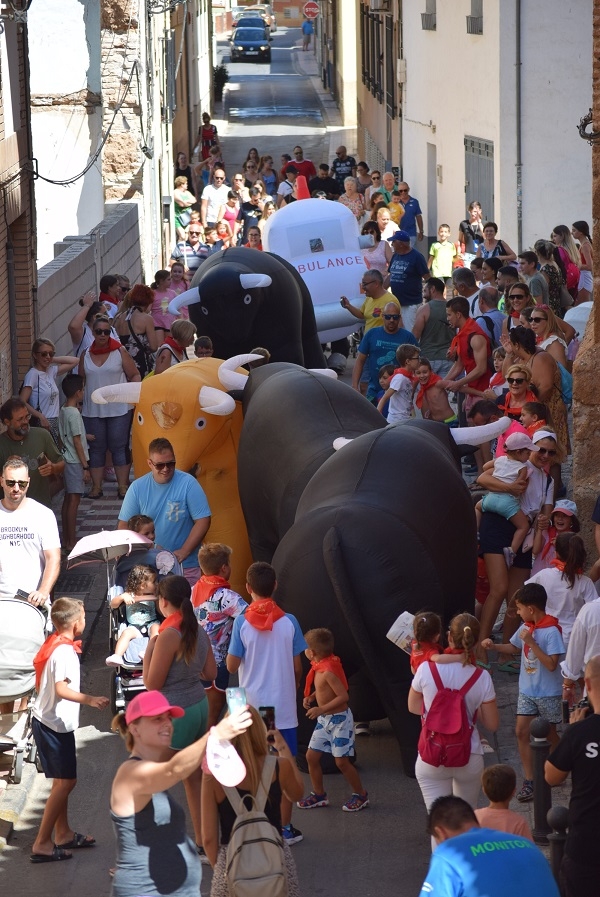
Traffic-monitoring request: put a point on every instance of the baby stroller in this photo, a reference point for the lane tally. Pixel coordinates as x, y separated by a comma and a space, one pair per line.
22, 634
127, 679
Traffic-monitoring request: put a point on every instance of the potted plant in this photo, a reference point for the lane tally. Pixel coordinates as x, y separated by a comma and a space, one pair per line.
220, 79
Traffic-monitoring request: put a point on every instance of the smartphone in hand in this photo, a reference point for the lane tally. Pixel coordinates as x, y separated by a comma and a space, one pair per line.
236, 698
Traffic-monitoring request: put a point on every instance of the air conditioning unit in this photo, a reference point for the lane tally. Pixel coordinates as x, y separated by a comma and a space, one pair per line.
401, 71
379, 5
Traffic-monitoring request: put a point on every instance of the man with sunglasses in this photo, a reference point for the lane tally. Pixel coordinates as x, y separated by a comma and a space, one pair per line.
406, 272
176, 503
35, 446
213, 197
304, 166
379, 345
324, 183
193, 251
29, 540
412, 220
343, 166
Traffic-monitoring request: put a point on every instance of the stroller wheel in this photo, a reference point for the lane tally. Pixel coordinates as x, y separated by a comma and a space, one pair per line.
16, 772
117, 698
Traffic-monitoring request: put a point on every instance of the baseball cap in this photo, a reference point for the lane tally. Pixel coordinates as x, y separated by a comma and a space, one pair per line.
565, 507
151, 703
291, 168
401, 236
519, 441
224, 762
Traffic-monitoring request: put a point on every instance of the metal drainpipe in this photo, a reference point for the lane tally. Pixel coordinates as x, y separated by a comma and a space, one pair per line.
519, 162
12, 312
401, 88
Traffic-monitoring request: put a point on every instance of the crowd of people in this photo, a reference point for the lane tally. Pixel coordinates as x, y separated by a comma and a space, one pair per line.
471, 334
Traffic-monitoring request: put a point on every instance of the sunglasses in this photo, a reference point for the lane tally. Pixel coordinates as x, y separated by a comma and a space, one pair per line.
163, 465
537, 319
46, 354
375, 177
550, 452
22, 484
402, 191
391, 317
195, 233
219, 178
102, 332
517, 296
518, 380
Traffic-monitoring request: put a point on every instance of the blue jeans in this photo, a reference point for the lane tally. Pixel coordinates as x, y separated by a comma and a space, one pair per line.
112, 433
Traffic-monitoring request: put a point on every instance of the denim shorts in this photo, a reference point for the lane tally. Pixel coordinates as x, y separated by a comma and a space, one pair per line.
222, 679
56, 751
73, 477
550, 708
111, 434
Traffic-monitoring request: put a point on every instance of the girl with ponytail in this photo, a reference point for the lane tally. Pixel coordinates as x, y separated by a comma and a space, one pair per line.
566, 586
176, 661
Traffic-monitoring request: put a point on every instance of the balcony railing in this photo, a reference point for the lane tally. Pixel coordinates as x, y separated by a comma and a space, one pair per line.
474, 24
428, 21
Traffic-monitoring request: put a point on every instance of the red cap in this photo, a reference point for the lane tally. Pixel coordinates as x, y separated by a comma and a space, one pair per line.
150, 703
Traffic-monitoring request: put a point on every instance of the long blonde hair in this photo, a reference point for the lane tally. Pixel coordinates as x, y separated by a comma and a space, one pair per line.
464, 629
251, 745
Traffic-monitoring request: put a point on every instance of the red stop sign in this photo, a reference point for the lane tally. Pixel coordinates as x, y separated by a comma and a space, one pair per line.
311, 9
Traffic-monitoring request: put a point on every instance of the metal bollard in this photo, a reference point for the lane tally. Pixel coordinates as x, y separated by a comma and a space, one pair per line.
542, 796
558, 819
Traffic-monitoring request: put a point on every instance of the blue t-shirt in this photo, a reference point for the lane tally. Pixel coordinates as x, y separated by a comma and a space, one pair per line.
534, 679
406, 273
307, 27
409, 222
174, 507
381, 347
487, 863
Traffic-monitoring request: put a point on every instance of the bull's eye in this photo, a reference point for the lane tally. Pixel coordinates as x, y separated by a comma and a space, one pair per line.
204, 310
140, 418
200, 423
247, 299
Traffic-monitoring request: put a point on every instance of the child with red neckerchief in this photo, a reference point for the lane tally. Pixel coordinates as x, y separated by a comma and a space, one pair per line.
55, 719
563, 519
540, 680
431, 399
402, 385
326, 701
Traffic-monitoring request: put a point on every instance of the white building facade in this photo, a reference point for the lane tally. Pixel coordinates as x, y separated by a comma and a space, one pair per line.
493, 95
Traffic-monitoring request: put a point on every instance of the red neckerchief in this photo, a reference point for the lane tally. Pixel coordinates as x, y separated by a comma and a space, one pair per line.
545, 623
470, 327
331, 664
169, 341
497, 379
173, 621
551, 540
514, 411
206, 587
515, 314
111, 346
51, 644
424, 652
431, 381
405, 373
263, 614
538, 425
560, 565
461, 651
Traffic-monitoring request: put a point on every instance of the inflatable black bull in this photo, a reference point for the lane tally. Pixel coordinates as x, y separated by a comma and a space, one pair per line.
244, 298
383, 525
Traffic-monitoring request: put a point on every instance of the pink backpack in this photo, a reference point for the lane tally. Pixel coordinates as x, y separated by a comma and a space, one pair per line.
445, 738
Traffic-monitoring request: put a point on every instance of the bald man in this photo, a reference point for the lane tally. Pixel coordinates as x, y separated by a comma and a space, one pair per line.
578, 753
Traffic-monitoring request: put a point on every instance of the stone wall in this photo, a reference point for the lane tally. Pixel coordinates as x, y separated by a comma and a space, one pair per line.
586, 405
113, 247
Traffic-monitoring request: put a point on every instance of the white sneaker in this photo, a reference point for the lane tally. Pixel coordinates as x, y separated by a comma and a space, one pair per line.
115, 660
362, 729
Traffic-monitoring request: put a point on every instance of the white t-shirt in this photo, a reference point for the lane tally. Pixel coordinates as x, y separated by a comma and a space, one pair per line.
401, 406
24, 536
267, 667
454, 675
507, 469
539, 492
216, 197
563, 602
54, 712
584, 642
44, 391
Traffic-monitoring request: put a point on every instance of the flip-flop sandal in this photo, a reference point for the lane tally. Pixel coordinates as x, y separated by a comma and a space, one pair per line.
484, 666
512, 666
57, 855
78, 842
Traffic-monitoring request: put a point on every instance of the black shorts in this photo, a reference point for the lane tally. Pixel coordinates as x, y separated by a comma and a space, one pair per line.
56, 751
496, 533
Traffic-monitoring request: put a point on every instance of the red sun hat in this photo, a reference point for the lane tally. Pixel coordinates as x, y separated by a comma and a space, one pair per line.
151, 703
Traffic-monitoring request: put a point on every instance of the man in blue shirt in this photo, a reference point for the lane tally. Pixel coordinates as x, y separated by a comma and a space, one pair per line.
177, 504
406, 271
412, 220
472, 862
379, 345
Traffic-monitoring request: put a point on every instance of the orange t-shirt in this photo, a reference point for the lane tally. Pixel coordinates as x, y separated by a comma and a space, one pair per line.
423, 652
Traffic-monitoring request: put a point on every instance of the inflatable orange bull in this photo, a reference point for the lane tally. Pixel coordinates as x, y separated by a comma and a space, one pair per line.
188, 404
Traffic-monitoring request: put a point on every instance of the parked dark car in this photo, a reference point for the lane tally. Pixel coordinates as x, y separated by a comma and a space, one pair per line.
250, 43
251, 21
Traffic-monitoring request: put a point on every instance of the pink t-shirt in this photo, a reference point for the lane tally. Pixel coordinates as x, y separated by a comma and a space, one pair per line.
504, 821
515, 427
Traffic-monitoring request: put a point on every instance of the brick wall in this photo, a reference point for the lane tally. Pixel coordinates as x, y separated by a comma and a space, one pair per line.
113, 247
